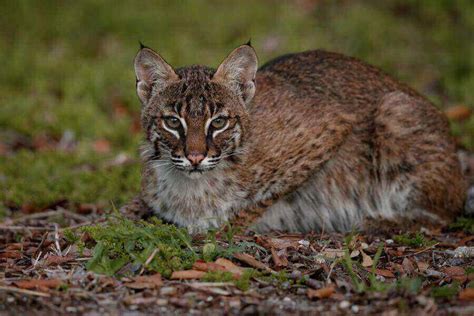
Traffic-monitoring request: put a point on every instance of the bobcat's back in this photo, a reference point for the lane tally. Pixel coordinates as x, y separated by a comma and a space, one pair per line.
336, 141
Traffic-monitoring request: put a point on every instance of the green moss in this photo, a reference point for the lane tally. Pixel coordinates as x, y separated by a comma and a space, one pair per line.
447, 291
212, 249
242, 283
218, 276
417, 240
282, 279
70, 236
464, 223
151, 245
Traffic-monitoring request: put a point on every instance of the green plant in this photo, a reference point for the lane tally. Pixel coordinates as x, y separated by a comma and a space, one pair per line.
242, 283
70, 236
463, 223
418, 240
410, 286
150, 245
447, 291
359, 285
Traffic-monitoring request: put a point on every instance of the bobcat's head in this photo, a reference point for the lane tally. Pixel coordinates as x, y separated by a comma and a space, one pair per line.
195, 118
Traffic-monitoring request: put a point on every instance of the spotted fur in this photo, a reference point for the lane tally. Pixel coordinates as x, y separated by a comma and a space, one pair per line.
311, 141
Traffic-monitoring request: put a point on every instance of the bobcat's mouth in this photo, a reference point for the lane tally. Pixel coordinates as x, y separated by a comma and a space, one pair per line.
196, 170
195, 173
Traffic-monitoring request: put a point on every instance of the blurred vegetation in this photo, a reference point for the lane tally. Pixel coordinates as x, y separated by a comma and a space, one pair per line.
67, 75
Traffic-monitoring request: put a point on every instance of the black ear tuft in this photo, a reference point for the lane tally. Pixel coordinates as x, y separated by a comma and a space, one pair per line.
249, 43
142, 46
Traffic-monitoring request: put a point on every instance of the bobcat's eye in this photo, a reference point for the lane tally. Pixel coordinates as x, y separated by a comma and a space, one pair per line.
219, 122
172, 122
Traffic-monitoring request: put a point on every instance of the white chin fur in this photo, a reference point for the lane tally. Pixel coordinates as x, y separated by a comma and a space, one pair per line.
194, 175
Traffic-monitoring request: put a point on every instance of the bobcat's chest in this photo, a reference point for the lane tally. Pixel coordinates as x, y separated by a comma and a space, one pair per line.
198, 204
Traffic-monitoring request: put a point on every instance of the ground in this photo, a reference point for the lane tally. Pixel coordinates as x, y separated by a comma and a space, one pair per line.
69, 135
123, 266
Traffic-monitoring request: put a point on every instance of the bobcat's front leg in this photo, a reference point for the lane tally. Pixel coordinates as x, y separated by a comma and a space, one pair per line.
248, 216
135, 209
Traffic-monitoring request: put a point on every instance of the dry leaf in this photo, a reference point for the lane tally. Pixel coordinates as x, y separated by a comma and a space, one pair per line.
383, 272
458, 112
38, 284
467, 294
279, 258
279, 243
108, 281
355, 253
230, 266
202, 265
16, 246
11, 255
56, 260
333, 253
145, 282
187, 275
456, 273
366, 260
321, 293
467, 239
408, 266
422, 266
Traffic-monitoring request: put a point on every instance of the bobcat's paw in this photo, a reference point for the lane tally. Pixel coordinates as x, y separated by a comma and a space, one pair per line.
135, 209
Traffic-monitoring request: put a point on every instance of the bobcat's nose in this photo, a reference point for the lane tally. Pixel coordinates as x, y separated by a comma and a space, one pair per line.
195, 158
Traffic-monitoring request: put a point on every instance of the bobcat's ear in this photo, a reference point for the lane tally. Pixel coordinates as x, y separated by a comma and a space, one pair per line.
238, 70
153, 73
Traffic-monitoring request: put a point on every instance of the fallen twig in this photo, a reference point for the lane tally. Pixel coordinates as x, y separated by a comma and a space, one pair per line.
331, 268
150, 258
251, 261
25, 228
209, 289
22, 291
187, 275
419, 251
35, 216
56, 240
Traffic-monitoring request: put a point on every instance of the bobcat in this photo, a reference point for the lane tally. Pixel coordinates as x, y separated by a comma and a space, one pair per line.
311, 141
